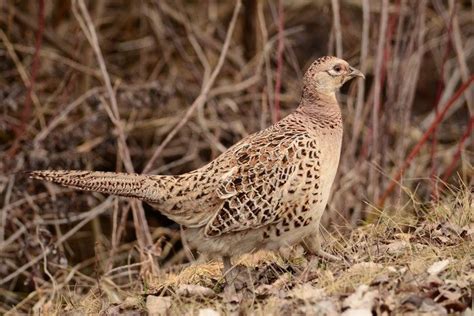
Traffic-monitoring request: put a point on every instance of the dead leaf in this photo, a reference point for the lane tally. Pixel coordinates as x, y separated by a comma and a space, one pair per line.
117, 310
361, 302
380, 279
266, 289
404, 236
208, 312
430, 307
357, 312
438, 267
412, 302
130, 306
365, 267
432, 281
189, 290
158, 305
397, 247
131, 302
308, 293
450, 295
323, 308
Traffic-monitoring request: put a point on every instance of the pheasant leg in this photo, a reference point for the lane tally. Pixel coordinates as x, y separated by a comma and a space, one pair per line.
229, 274
312, 244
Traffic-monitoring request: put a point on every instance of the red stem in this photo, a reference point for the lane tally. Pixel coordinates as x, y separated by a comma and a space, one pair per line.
423, 139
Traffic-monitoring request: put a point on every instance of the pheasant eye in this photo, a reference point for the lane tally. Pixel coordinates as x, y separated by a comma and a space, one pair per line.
337, 68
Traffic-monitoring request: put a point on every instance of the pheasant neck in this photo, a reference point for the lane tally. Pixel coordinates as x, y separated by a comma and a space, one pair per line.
320, 106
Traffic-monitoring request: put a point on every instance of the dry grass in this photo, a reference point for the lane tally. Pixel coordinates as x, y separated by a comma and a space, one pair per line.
389, 263
166, 86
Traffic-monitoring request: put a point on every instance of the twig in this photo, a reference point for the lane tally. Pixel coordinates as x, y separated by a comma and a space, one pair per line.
4, 210
49, 36
201, 34
26, 113
439, 92
281, 17
337, 27
62, 116
423, 140
141, 226
364, 50
203, 95
267, 94
45, 265
450, 87
55, 57
458, 47
96, 211
20, 131
89, 31
457, 155
74, 104
373, 175
19, 66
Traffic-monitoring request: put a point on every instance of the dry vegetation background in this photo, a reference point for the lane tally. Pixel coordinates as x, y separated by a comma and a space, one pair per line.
166, 86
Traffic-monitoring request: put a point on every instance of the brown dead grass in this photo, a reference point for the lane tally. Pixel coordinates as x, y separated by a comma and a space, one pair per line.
132, 99
388, 260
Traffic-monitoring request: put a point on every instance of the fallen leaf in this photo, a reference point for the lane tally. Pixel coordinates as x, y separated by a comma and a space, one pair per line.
307, 292
412, 302
208, 312
452, 296
189, 290
438, 267
380, 279
397, 247
361, 301
131, 302
456, 306
130, 306
404, 236
158, 305
431, 308
266, 289
324, 308
432, 281
365, 267
357, 312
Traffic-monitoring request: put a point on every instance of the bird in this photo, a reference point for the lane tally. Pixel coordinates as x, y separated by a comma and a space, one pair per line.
267, 191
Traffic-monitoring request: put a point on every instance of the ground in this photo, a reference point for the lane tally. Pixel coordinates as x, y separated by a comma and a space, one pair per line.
418, 264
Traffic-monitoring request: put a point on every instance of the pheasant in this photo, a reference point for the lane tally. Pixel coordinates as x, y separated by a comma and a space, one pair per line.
267, 191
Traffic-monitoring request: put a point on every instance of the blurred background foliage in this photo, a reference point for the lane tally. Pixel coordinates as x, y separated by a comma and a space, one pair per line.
54, 105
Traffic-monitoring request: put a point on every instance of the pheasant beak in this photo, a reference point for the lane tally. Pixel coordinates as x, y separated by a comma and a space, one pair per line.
356, 73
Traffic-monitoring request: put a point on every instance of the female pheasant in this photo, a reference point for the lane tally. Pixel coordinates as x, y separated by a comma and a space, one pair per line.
268, 190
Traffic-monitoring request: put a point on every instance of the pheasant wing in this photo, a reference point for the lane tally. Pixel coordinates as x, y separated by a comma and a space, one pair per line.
253, 190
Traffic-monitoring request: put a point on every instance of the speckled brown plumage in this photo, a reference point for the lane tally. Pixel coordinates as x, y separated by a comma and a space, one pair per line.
268, 190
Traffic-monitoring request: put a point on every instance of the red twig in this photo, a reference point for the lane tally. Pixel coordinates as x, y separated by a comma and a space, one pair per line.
439, 92
26, 112
457, 155
276, 107
423, 139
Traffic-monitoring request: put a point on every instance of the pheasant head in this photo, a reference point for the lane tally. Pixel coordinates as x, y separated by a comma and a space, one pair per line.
327, 74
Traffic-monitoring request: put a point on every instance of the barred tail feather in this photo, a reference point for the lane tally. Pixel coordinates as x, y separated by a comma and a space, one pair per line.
144, 187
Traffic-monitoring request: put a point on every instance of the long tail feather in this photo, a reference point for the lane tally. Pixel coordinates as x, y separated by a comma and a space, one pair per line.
143, 187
